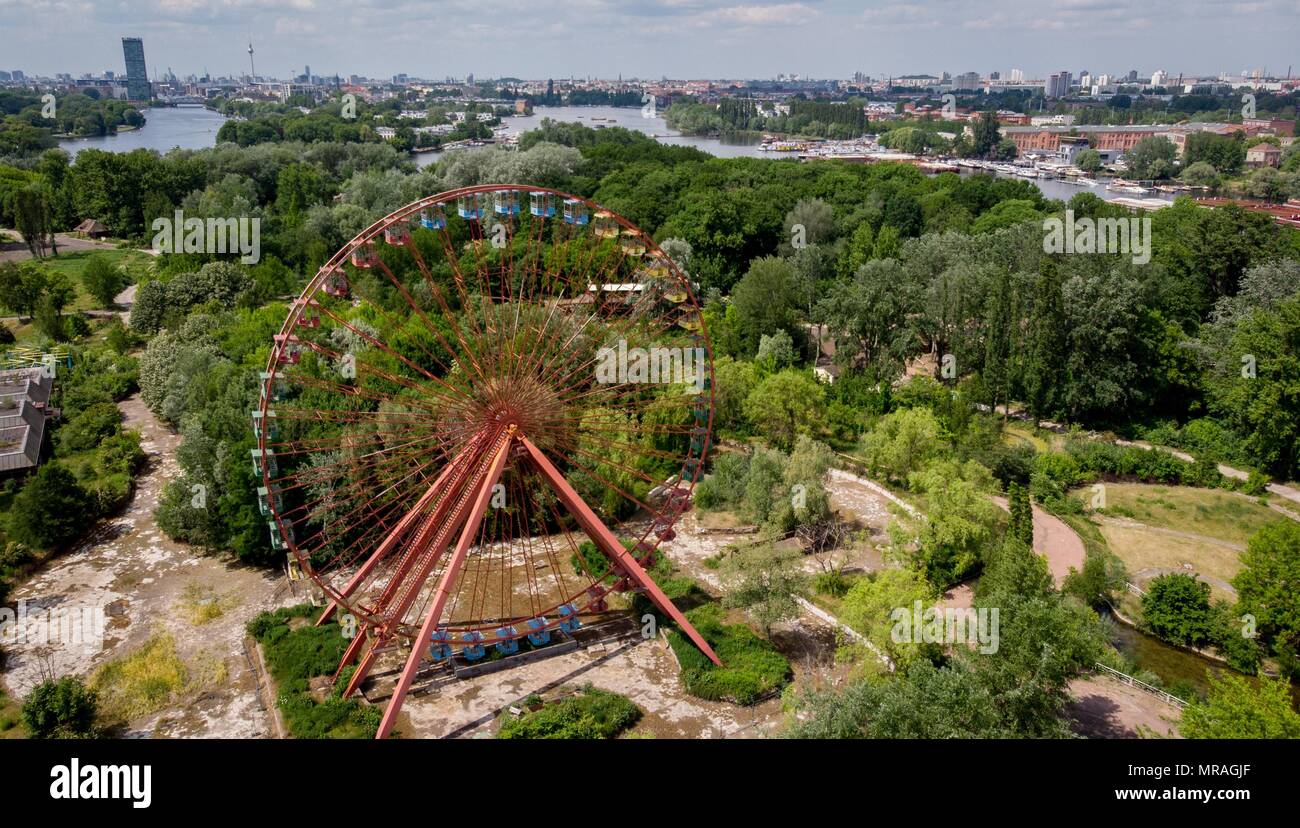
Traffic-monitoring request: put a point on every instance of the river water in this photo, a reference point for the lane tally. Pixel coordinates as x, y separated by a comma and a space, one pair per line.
195, 127
186, 127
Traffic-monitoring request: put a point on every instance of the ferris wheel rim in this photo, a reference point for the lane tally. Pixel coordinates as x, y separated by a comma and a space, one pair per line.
600, 587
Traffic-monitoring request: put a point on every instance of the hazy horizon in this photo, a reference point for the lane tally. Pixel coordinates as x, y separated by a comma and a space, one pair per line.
680, 39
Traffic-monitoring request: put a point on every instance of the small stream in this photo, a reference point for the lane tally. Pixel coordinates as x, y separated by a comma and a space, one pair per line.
1172, 664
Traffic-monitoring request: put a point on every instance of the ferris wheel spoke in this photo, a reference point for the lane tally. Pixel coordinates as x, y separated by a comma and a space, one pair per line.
386, 349
436, 291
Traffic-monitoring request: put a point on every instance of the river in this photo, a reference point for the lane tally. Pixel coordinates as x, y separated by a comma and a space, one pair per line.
166, 128
195, 127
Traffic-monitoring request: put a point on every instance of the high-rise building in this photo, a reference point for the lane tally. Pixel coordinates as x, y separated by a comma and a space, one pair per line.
18, 75
137, 76
1057, 85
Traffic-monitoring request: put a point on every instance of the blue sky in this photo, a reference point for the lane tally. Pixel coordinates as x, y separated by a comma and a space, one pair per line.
651, 38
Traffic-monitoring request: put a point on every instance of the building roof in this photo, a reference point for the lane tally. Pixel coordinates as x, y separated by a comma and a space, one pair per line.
24, 400
91, 226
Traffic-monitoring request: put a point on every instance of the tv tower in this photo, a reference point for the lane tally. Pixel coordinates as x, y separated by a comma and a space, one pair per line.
251, 67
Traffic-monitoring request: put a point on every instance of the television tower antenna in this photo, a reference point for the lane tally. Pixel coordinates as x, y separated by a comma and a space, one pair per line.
251, 67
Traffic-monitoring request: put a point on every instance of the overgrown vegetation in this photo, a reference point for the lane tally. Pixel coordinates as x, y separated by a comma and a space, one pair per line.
591, 713
297, 654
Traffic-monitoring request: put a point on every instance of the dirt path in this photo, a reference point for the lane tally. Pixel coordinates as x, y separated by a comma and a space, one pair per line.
1105, 708
146, 584
1056, 541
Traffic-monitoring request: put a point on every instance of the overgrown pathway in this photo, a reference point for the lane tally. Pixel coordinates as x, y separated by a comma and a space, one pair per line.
154, 590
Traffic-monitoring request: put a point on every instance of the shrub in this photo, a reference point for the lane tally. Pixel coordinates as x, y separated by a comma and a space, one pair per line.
91, 425
60, 709
594, 714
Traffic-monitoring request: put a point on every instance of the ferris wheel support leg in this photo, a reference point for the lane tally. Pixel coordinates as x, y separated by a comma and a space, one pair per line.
363, 669
443, 590
607, 543
350, 655
389, 543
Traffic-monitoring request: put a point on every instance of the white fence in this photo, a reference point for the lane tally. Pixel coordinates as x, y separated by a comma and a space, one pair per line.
1142, 685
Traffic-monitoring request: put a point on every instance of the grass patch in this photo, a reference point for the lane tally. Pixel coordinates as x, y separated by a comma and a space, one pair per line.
71, 263
592, 714
1014, 435
202, 604
140, 683
1211, 512
752, 668
11, 717
295, 656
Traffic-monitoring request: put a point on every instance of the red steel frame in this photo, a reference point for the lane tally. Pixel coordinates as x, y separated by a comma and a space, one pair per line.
457, 501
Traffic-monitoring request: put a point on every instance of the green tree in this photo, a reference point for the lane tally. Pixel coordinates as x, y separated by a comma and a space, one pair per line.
50, 510
21, 287
869, 606
764, 300
1152, 158
102, 279
1089, 161
34, 218
986, 137
60, 709
946, 541
764, 581
786, 405
1266, 584
902, 442
1177, 608
997, 341
1224, 153
1234, 709
1022, 516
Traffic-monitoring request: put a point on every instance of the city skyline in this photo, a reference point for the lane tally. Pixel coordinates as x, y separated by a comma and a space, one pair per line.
675, 38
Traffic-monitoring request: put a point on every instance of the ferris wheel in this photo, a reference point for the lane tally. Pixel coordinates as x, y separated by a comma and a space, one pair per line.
481, 418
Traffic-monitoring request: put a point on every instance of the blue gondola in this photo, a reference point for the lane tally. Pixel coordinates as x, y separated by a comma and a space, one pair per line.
473, 650
439, 645
470, 207
575, 211
433, 219
569, 616
541, 205
506, 202
539, 635
508, 640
